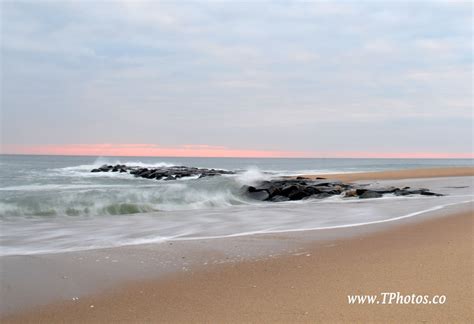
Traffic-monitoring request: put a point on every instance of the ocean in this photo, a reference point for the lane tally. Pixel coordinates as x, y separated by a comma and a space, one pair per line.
51, 204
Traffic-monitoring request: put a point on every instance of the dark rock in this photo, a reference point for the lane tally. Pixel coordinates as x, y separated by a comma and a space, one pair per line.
279, 198
274, 191
360, 191
429, 193
142, 172
332, 192
311, 190
382, 190
321, 195
251, 189
209, 174
105, 168
147, 174
401, 193
174, 172
259, 195
290, 189
370, 194
298, 195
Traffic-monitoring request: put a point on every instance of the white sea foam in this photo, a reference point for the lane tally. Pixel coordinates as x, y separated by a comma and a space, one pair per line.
251, 176
86, 168
49, 238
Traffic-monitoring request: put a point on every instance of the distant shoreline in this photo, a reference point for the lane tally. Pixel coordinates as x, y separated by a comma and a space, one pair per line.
414, 173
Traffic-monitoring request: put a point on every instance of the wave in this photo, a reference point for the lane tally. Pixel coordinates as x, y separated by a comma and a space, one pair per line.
83, 170
54, 237
130, 197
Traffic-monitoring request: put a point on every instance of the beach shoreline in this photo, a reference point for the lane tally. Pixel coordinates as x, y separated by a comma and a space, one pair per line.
398, 174
307, 283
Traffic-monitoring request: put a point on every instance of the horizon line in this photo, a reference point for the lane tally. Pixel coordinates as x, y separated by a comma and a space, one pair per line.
246, 157
209, 151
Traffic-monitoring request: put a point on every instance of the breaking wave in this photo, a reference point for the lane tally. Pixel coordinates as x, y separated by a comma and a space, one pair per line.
123, 194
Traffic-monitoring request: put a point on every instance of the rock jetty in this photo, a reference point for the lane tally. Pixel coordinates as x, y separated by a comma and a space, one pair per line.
301, 188
275, 190
162, 173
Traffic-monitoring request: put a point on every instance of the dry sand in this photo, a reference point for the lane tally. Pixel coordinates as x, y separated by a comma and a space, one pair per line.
433, 257
400, 174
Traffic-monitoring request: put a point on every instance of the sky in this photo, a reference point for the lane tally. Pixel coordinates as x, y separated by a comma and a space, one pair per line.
222, 78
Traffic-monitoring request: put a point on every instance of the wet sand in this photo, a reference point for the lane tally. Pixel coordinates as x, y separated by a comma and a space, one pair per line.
430, 257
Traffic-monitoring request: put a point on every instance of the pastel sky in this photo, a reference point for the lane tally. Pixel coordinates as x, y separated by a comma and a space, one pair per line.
280, 78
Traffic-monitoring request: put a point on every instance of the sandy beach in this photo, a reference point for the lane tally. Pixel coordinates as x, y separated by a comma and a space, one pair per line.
400, 174
430, 257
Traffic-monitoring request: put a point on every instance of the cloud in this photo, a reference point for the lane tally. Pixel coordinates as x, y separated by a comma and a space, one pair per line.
255, 75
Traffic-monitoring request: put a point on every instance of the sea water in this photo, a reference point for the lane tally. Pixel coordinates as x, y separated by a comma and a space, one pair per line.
51, 204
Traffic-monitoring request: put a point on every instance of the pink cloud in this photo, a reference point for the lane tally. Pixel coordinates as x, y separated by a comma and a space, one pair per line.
203, 150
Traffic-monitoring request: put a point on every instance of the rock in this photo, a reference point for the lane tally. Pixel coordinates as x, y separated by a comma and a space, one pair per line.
170, 173
141, 172
148, 174
258, 195
251, 189
279, 198
321, 195
384, 190
370, 194
298, 195
210, 174
298, 189
105, 168
274, 190
429, 193
401, 193
288, 190
311, 190
350, 193
331, 190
